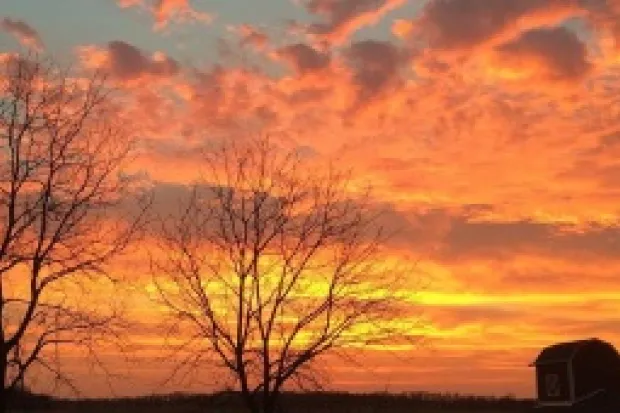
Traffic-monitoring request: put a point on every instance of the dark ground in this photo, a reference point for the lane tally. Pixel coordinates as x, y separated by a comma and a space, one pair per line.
291, 403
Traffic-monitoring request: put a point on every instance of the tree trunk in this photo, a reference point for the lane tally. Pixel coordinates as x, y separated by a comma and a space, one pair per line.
4, 394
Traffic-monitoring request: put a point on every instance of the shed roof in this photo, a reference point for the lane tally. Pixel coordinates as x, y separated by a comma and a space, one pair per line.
563, 352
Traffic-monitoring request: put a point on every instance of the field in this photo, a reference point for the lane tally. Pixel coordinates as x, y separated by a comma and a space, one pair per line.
291, 402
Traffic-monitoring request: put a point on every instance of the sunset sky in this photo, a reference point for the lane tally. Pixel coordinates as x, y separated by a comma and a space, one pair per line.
489, 130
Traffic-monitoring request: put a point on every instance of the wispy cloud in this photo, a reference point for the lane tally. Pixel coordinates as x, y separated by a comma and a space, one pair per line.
23, 32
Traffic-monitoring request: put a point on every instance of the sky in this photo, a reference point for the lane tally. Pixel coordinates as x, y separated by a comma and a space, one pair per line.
489, 130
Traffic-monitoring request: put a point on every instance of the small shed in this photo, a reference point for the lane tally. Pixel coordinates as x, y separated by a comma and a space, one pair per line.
577, 373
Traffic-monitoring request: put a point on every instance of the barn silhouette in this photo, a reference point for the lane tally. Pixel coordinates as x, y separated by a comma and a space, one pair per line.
578, 376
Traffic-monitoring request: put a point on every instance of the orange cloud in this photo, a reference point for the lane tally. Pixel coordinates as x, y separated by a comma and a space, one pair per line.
377, 67
426, 127
551, 54
126, 62
251, 36
23, 32
460, 25
166, 11
303, 58
604, 16
345, 17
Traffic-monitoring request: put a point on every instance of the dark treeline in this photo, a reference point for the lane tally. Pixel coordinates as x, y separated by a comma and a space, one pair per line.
320, 402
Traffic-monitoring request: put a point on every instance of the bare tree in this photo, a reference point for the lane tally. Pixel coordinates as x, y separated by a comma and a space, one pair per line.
60, 179
269, 266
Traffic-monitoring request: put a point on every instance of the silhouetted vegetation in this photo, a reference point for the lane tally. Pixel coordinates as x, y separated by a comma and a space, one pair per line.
231, 402
269, 267
61, 163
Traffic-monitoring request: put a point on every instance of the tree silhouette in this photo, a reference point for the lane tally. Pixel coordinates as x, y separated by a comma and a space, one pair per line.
60, 160
271, 265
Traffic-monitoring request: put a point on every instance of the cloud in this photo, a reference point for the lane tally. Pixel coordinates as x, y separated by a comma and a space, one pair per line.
303, 58
251, 36
23, 32
345, 17
554, 54
460, 25
128, 3
377, 66
126, 62
611, 140
604, 15
466, 234
166, 11
473, 239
